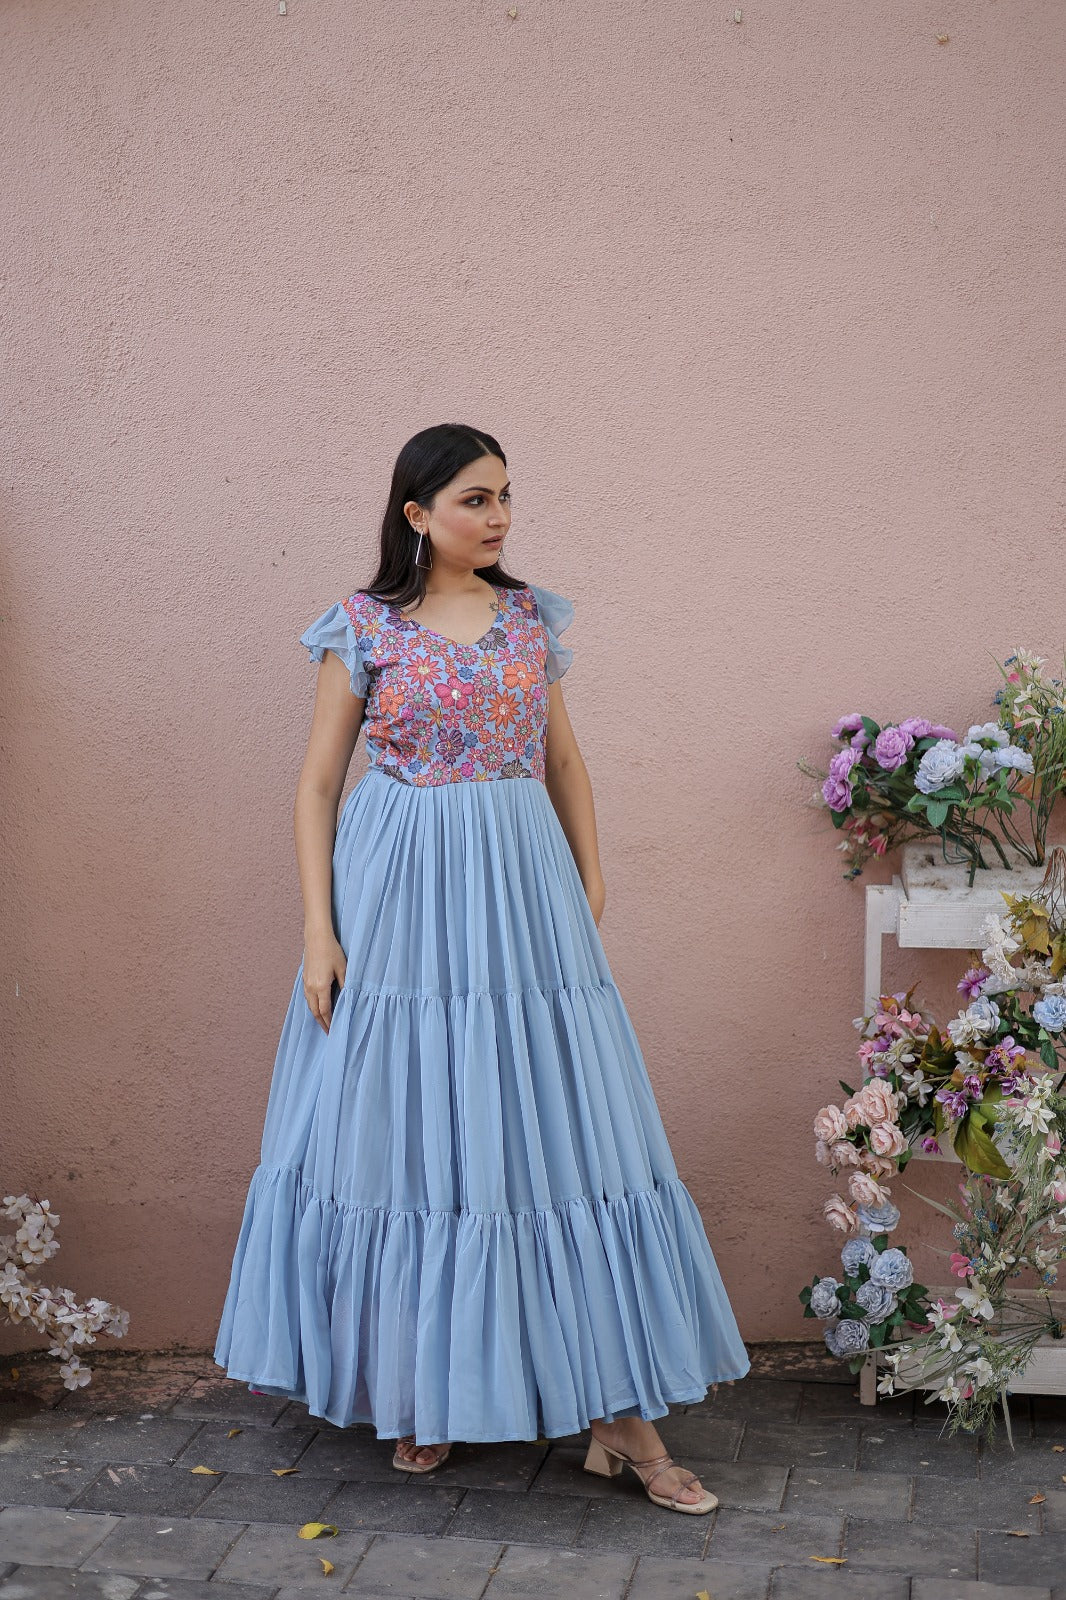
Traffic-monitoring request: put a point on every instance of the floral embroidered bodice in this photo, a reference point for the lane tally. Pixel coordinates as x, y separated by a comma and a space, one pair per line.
442, 712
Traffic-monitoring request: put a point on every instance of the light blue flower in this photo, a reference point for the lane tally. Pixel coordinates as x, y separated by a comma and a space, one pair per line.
987, 730
984, 1011
846, 1337
857, 1253
1012, 755
942, 763
1050, 1012
876, 1300
824, 1302
877, 1219
892, 1270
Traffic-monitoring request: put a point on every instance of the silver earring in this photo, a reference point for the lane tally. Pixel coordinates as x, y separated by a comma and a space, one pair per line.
423, 549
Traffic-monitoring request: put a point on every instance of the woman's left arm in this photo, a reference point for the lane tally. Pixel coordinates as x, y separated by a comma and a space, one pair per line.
570, 791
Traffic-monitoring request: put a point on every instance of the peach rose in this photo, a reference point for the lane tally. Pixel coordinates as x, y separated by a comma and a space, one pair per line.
821, 1152
845, 1154
886, 1139
829, 1124
854, 1113
865, 1190
878, 1166
839, 1214
878, 1101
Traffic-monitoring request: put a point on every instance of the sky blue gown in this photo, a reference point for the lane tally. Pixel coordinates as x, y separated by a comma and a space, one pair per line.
466, 1222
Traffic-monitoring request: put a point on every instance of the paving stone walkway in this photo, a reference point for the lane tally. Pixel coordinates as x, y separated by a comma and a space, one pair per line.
819, 1497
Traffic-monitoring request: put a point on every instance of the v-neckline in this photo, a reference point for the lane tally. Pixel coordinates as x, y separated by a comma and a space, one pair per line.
458, 643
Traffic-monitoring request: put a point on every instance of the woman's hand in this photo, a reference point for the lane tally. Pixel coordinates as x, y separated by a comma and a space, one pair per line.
596, 891
324, 964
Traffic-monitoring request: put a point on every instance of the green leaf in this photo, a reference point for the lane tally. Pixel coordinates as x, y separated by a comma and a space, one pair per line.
877, 1335
937, 812
973, 1145
871, 727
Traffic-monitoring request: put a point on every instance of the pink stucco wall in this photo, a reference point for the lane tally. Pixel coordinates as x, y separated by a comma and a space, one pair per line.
769, 318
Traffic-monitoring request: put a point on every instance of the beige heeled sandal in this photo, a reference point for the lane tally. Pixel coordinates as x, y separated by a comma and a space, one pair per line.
419, 1466
608, 1463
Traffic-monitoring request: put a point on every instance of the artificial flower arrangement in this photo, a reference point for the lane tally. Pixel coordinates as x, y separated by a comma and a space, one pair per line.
989, 1087
892, 782
55, 1312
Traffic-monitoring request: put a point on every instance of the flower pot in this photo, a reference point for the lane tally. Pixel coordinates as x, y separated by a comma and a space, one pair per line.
927, 876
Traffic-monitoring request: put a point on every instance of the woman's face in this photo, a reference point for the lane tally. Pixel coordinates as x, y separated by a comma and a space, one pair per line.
474, 508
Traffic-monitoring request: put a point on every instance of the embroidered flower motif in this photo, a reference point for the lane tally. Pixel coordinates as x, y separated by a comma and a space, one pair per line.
441, 712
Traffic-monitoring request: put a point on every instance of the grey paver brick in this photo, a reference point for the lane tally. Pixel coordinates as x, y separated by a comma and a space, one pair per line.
407, 1506
267, 1553
440, 1569
261, 1497
114, 1437
884, 1495
67, 1583
793, 1444
211, 1398
821, 1401
43, 1481
952, 1589
47, 1536
815, 1582
629, 1521
198, 1589
529, 1573
563, 1472
740, 1485
917, 1451
1031, 1463
966, 1501
1040, 1560
490, 1466
153, 1490
710, 1438
162, 1547
341, 1453
679, 1577
773, 1536
520, 1519
1054, 1511
251, 1450
924, 1550
751, 1400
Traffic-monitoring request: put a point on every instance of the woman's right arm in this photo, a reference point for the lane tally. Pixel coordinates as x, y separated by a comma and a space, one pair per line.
335, 724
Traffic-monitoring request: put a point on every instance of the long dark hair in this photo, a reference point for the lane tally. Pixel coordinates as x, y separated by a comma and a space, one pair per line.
428, 461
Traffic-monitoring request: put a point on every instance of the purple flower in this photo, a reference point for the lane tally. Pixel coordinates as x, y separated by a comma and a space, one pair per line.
843, 762
955, 1101
837, 793
917, 727
972, 982
972, 1084
930, 1146
849, 724
939, 732
892, 747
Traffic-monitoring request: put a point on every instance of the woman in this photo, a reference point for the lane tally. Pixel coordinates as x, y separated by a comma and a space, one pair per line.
466, 1222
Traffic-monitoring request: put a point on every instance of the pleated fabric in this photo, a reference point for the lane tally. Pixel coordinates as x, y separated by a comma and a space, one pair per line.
466, 1222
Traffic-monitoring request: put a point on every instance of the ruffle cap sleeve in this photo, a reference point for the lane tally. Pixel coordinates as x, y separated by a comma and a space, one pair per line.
556, 613
333, 630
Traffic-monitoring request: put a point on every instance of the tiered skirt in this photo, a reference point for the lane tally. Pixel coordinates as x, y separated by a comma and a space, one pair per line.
466, 1222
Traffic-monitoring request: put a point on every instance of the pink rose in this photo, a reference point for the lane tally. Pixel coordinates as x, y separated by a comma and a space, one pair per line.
839, 1214
878, 1101
821, 1152
886, 1139
829, 1124
865, 1190
877, 1166
845, 1154
854, 1113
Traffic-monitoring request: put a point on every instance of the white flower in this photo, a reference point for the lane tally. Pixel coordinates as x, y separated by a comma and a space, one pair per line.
975, 1299
886, 1383
1000, 947
980, 1371
950, 1393
918, 1086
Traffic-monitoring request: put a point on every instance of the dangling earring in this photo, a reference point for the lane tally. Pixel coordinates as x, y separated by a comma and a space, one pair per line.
420, 549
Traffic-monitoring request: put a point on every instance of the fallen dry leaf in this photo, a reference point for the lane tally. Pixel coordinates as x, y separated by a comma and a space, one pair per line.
703, 1595
280, 1472
1018, 1533
1037, 1499
15, 1373
942, 38
1058, 1448
210, 1471
233, 1431
830, 1561
327, 1566
316, 1530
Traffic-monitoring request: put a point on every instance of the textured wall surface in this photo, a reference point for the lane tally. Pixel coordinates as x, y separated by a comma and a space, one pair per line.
769, 319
